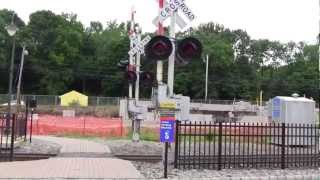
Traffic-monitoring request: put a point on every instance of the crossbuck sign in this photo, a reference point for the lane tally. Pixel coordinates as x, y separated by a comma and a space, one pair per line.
139, 46
172, 6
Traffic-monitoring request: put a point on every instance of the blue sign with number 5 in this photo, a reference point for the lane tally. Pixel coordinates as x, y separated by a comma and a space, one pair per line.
167, 131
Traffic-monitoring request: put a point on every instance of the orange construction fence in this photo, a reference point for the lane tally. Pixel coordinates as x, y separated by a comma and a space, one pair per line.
82, 125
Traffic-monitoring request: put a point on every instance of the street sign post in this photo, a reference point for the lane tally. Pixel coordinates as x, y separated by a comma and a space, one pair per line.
167, 132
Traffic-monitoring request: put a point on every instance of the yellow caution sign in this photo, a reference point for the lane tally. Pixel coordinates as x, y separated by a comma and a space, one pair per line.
168, 105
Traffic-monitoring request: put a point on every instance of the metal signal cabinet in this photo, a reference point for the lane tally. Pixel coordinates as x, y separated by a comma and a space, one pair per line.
297, 111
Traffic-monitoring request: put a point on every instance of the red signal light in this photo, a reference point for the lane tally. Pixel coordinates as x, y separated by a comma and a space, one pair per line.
158, 48
146, 78
189, 48
131, 76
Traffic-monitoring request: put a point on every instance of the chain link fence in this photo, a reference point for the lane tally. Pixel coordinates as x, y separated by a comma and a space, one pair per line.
54, 100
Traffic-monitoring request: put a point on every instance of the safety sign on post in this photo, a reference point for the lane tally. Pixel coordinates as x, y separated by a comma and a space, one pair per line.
167, 129
173, 6
139, 46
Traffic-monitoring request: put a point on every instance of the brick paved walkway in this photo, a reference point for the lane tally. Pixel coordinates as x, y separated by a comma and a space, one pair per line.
69, 168
75, 161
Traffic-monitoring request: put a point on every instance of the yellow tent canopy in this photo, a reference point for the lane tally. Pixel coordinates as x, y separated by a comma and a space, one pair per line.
73, 98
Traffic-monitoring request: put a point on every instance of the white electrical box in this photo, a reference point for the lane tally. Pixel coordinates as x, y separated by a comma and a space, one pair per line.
183, 104
292, 110
299, 116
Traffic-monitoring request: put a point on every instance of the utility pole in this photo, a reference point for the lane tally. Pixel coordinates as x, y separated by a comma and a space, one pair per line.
24, 52
207, 68
11, 29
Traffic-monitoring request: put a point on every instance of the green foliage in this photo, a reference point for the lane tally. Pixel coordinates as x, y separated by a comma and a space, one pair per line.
65, 55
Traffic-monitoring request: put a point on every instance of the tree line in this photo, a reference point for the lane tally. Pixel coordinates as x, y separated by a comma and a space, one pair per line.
65, 55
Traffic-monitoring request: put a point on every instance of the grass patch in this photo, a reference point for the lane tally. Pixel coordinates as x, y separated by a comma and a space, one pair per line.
146, 134
149, 135
202, 138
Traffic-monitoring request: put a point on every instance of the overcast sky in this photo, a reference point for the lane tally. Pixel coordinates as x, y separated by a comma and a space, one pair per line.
282, 20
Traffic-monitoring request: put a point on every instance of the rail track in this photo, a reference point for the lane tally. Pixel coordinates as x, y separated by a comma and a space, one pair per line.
143, 158
25, 156
37, 156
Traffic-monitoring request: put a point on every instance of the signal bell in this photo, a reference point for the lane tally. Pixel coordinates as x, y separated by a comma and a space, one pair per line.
158, 48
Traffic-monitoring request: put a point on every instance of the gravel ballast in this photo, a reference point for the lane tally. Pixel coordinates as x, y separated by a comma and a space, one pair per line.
38, 146
127, 147
155, 170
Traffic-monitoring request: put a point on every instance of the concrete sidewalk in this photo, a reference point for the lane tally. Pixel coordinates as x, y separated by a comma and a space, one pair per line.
74, 161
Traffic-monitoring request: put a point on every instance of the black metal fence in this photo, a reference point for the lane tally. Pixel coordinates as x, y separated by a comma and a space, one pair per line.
246, 145
11, 131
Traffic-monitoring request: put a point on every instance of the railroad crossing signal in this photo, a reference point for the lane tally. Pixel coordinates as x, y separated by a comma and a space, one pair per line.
172, 6
160, 48
131, 76
146, 78
139, 46
189, 48
134, 39
179, 21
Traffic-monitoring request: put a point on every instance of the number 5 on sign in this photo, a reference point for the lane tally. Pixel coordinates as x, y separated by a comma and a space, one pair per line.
167, 130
